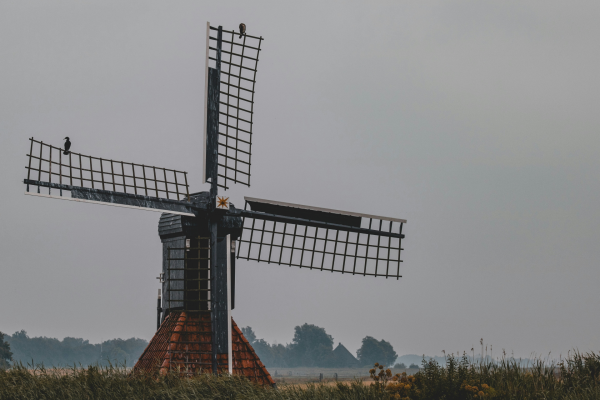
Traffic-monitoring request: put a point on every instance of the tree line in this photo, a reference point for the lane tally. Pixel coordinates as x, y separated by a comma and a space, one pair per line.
313, 347
19, 347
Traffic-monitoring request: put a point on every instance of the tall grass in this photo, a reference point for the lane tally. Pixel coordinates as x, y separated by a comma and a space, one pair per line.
576, 378
115, 383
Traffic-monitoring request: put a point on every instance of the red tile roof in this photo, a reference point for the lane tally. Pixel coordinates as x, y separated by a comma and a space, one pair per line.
183, 343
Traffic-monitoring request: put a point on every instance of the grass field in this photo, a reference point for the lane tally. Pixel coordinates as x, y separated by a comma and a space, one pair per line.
313, 375
575, 378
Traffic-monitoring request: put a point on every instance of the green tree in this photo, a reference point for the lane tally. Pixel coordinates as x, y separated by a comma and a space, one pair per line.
311, 347
279, 354
262, 350
74, 351
249, 334
272, 355
373, 351
119, 351
5, 353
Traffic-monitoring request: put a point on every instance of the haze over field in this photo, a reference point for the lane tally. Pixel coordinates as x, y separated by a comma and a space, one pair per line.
476, 121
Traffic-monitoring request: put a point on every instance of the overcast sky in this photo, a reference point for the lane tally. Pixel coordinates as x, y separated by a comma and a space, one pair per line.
478, 122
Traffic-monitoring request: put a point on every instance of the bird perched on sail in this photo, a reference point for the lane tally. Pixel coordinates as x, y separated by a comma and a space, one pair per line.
67, 146
242, 30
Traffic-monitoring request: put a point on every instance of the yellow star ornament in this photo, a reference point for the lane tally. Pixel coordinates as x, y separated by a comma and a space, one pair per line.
223, 202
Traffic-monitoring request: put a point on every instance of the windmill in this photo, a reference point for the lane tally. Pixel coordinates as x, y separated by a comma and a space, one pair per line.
204, 233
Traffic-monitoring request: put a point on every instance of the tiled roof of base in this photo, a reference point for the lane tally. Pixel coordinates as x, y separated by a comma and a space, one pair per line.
183, 343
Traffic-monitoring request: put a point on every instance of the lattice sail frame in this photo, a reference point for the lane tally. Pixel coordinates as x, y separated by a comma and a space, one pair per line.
326, 248
48, 167
239, 60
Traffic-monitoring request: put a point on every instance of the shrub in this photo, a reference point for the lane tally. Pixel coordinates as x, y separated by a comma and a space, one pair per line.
373, 350
5, 353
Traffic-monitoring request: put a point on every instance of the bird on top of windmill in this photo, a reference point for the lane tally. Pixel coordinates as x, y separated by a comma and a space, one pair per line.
67, 146
242, 29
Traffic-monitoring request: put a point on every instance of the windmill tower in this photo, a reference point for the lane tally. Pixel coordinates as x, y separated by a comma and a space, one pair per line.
203, 233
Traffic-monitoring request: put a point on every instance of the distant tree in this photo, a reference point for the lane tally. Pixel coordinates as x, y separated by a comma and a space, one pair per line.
373, 351
249, 334
74, 351
119, 351
279, 354
262, 350
5, 353
400, 365
311, 347
413, 366
272, 355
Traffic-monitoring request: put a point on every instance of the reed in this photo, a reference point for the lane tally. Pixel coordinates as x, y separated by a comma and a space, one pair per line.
577, 377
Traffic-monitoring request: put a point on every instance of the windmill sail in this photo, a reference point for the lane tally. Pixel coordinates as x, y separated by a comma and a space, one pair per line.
231, 65
97, 180
323, 239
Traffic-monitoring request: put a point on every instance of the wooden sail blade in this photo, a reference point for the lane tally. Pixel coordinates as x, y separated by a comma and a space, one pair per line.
322, 239
78, 177
231, 66
107, 197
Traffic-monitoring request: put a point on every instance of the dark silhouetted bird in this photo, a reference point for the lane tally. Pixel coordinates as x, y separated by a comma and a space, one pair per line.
242, 29
67, 146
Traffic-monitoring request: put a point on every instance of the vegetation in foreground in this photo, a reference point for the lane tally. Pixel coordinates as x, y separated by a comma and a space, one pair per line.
575, 378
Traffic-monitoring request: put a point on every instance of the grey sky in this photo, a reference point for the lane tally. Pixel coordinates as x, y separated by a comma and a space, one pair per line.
476, 121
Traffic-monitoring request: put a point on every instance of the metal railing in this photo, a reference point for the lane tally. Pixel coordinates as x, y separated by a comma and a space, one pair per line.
188, 276
188, 298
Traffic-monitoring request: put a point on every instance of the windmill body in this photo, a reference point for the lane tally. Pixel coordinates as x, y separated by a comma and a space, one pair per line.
203, 234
